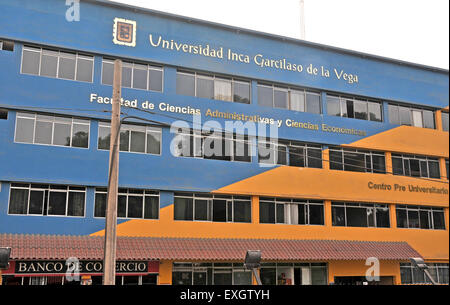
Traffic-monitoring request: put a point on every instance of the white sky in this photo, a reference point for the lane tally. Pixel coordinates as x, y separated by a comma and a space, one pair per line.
409, 30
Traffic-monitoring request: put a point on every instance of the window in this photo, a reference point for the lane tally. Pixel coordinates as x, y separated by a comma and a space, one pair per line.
3, 114
415, 166
405, 115
354, 108
446, 168
131, 203
134, 75
51, 130
133, 138
47, 200
360, 215
291, 211
290, 153
288, 98
294, 274
57, 64
213, 87
445, 121
411, 274
7, 45
216, 146
216, 208
357, 160
420, 217
210, 274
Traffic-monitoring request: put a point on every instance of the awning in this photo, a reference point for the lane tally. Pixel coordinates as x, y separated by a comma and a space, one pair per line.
58, 247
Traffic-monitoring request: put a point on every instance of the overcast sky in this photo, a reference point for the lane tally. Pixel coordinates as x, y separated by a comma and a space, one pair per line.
410, 30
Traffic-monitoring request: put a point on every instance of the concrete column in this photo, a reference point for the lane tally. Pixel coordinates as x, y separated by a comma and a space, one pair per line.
255, 209
328, 213
438, 119
392, 216
443, 169
325, 158
388, 156
165, 273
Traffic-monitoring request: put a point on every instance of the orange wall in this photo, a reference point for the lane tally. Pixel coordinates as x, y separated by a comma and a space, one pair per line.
358, 268
312, 183
432, 244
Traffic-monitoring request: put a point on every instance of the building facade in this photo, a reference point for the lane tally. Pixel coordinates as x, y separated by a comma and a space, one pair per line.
328, 160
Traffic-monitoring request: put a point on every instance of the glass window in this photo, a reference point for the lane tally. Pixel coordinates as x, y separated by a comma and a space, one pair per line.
127, 74
241, 92
138, 141
43, 134
75, 204
394, 116
445, 121
333, 106
296, 156
382, 216
280, 98
140, 73
183, 208
267, 212
297, 100
151, 207
265, 96
62, 131
205, 87
316, 216
222, 89
428, 119
31, 60
107, 73
356, 217
57, 203
18, 201
438, 220
135, 206
354, 161
375, 112
155, 79
397, 165
242, 211
313, 103
85, 66
186, 84
80, 135
268, 276
100, 205
24, 129
153, 142
66, 68
49, 63
336, 160
219, 210
405, 115
417, 118
360, 109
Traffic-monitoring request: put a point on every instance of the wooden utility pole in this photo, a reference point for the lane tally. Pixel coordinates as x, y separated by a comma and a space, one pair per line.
109, 262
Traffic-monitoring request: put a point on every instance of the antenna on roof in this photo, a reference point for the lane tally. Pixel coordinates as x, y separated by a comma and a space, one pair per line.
302, 20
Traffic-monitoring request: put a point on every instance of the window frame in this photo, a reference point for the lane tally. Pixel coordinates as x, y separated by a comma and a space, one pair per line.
343, 101
366, 153
74, 120
45, 203
60, 54
411, 109
132, 127
374, 206
231, 200
430, 209
288, 204
132, 65
100, 190
408, 158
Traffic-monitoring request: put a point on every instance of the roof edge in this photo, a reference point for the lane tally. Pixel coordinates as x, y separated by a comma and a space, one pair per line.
268, 35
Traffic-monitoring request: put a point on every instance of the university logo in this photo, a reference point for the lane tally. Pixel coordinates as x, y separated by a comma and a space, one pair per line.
124, 32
